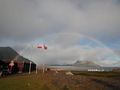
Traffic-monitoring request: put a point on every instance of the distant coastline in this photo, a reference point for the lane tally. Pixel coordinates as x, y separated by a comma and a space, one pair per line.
63, 67
86, 63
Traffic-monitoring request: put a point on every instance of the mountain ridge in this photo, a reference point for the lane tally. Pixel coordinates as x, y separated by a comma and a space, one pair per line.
86, 63
78, 63
9, 53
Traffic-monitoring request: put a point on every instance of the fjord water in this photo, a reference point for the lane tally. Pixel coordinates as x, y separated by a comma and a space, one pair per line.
84, 68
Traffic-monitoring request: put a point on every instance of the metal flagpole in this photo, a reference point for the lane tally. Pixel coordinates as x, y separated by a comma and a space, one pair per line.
30, 68
43, 61
37, 62
31, 59
45, 48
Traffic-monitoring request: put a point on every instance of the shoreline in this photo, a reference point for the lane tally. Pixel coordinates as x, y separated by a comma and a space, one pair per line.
74, 68
47, 67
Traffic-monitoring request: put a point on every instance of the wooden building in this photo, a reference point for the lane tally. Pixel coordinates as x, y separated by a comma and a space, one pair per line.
18, 67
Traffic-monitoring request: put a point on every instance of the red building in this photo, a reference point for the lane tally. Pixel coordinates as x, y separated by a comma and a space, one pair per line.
18, 67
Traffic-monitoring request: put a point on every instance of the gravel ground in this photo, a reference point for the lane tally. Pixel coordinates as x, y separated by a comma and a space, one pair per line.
72, 82
86, 83
77, 82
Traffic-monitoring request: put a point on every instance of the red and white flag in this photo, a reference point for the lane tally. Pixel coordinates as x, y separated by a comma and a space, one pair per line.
11, 68
39, 47
45, 47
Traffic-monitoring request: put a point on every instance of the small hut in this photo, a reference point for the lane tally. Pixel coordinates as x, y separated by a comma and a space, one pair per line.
17, 67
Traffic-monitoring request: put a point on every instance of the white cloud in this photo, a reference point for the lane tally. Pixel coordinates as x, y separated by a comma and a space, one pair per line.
24, 21
60, 51
97, 19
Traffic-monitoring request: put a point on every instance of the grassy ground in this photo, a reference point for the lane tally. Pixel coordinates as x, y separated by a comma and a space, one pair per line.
81, 80
97, 74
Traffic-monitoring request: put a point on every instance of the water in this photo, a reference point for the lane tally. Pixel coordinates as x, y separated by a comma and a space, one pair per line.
84, 68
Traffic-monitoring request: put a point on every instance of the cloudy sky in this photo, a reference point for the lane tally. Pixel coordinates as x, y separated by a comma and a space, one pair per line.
71, 29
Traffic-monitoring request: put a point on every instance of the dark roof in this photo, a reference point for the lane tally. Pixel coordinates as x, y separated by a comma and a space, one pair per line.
2, 61
9, 60
9, 53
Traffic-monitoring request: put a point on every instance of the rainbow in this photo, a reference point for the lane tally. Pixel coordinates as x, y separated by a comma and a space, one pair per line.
51, 36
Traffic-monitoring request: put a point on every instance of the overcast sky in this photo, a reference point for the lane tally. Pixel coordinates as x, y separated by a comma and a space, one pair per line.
71, 29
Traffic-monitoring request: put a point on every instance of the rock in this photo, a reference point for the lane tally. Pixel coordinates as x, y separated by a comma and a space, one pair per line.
68, 73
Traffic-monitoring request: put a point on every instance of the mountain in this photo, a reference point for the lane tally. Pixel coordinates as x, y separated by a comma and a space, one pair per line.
85, 64
9, 53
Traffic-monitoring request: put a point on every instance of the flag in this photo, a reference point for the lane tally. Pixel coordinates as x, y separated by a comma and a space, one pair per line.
39, 47
11, 68
45, 47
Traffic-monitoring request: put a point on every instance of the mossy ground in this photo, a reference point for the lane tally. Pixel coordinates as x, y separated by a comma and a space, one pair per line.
81, 80
97, 74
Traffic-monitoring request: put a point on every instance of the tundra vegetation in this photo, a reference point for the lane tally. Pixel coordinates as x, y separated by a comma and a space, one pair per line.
81, 80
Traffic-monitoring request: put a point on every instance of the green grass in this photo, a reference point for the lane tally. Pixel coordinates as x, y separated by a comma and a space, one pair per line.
97, 74
116, 70
26, 82
49, 81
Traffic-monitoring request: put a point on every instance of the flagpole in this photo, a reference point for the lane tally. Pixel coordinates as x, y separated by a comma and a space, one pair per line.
37, 59
45, 48
37, 62
43, 61
31, 60
30, 68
